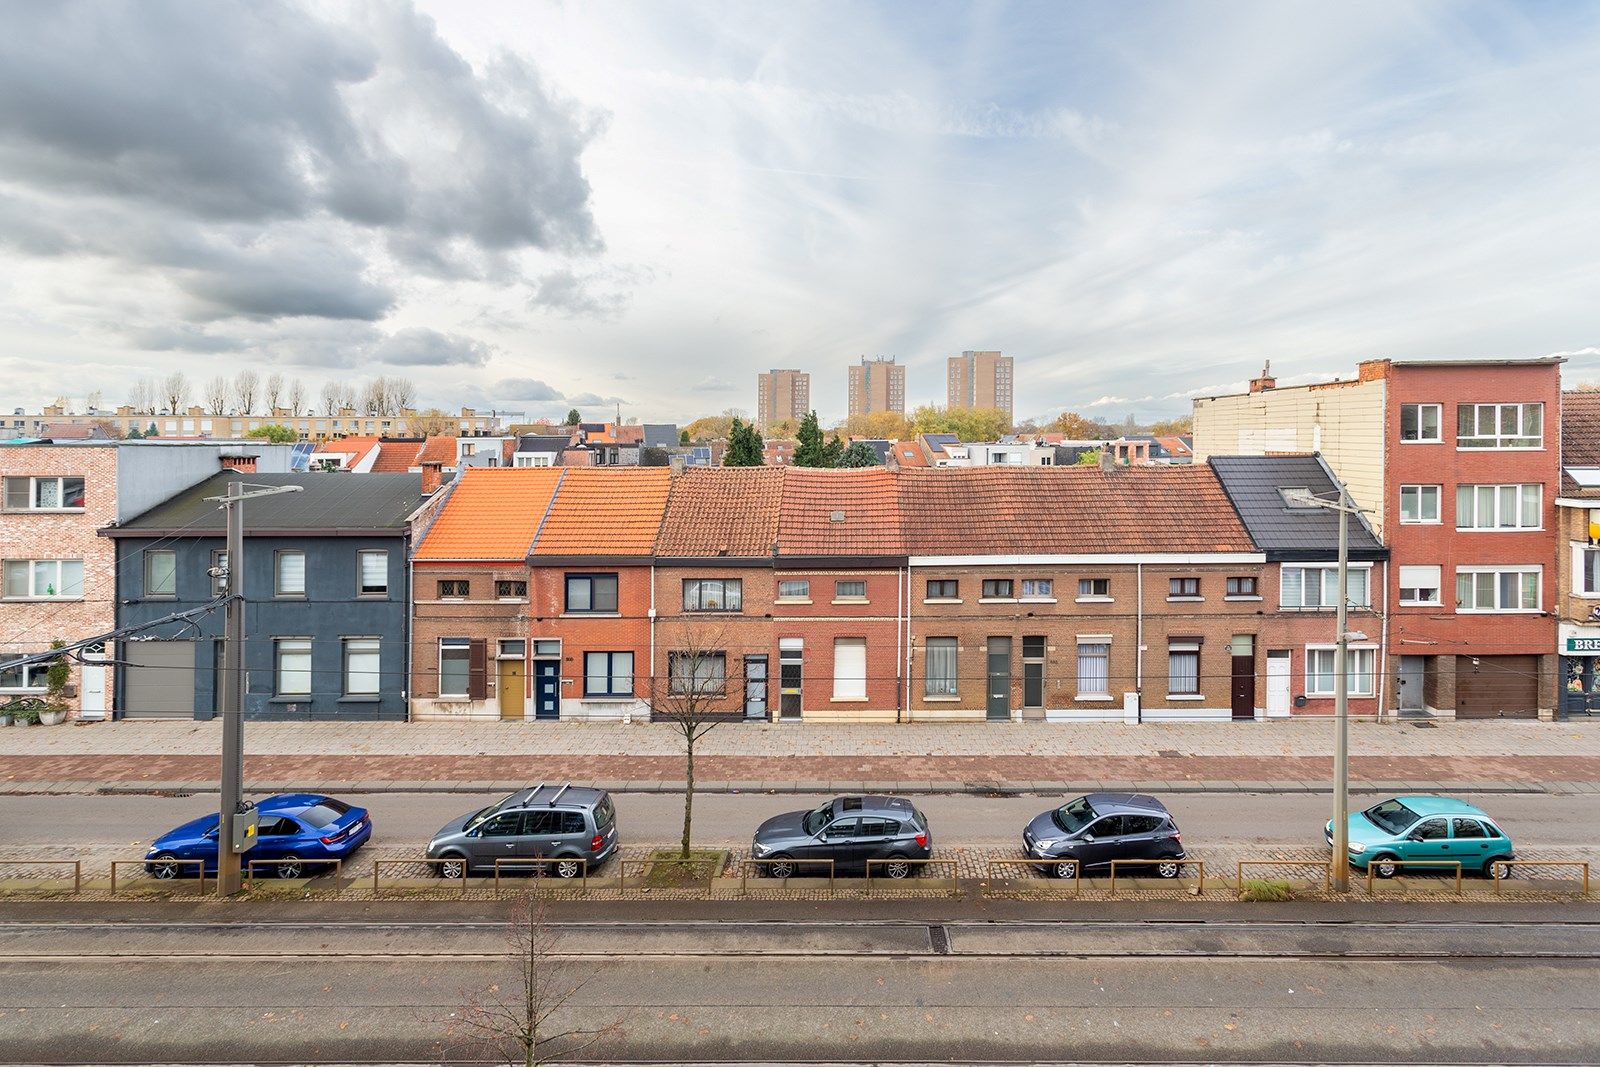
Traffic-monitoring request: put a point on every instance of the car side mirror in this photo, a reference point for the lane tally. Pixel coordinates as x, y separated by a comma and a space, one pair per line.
1088, 837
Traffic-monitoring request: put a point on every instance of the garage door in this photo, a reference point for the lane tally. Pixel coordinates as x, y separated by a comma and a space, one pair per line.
160, 679
1497, 687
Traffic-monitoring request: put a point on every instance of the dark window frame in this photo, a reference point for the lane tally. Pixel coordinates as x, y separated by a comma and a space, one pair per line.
992, 589
1186, 588
595, 582
943, 589
150, 554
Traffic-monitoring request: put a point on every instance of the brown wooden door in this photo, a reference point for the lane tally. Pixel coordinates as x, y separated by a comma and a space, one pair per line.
511, 689
1497, 687
1244, 687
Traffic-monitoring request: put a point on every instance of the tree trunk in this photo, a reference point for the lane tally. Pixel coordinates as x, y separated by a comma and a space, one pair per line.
688, 798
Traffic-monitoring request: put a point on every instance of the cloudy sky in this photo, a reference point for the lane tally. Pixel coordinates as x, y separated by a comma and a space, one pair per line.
531, 206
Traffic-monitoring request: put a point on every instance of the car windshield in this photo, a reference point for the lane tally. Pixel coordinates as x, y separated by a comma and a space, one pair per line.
477, 817
816, 820
324, 813
1392, 816
1075, 816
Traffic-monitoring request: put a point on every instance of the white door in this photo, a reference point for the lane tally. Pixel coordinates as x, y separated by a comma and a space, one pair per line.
1278, 682
92, 682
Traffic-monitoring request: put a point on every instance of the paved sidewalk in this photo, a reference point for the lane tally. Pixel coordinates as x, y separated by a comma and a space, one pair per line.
1016, 757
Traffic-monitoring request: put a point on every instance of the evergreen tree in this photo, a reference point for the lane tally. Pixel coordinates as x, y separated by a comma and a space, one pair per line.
832, 452
744, 447
859, 454
683, 437
809, 448
573, 418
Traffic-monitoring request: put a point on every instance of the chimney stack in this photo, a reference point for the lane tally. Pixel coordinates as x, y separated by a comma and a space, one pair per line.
1266, 381
432, 476
1106, 459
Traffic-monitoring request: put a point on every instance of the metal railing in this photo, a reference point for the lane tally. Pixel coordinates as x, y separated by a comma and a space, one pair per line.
1033, 867
539, 864
199, 865
745, 865
379, 864
1506, 865
77, 869
338, 869
955, 873
1325, 865
1199, 865
1372, 869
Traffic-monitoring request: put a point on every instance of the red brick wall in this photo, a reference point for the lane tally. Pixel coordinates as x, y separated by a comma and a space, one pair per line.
482, 615
627, 631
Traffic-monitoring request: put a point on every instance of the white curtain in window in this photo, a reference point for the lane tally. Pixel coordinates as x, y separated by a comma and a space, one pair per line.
291, 572
1319, 670
361, 666
1094, 676
1292, 587
850, 668
294, 667
940, 666
163, 573
1183, 668
374, 571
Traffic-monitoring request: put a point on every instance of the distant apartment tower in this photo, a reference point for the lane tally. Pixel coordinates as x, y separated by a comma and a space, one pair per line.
780, 395
877, 385
980, 380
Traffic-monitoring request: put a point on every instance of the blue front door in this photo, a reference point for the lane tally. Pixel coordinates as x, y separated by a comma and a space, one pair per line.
547, 689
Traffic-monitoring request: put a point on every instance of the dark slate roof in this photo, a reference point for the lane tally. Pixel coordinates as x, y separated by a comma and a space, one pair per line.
660, 435
533, 442
880, 447
328, 503
1283, 533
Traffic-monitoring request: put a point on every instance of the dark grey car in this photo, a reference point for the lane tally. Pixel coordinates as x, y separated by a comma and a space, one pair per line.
573, 826
849, 831
1086, 834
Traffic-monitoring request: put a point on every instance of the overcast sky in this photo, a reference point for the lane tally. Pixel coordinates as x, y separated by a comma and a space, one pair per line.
535, 206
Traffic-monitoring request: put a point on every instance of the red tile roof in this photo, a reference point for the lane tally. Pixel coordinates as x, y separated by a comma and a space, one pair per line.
493, 514
1068, 510
846, 512
907, 454
396, 457
606, 511
441, 450
722, 511
353, 446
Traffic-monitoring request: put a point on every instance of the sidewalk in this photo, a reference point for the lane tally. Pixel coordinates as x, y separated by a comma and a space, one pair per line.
1292, 756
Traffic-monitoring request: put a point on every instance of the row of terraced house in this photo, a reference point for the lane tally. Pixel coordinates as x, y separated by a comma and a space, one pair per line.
1111, 592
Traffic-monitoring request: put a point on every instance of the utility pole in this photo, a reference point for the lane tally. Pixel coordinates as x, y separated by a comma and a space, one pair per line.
231, 804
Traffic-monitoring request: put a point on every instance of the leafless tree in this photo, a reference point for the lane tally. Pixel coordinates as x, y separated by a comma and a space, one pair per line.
375, 396
517, 1022
217, 392
245, 386
272, 391
175, 392
297, 397
332, 392
93, 401
142, 396
697, 685
432, 423
347, 396
402, 395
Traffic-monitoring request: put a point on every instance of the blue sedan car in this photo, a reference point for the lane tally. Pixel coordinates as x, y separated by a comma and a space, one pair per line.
291, 829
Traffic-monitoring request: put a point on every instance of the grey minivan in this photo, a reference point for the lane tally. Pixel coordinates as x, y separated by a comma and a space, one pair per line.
849, 831
573, 826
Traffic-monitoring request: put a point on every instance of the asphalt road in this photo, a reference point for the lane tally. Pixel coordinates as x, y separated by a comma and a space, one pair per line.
728, 819
952, 990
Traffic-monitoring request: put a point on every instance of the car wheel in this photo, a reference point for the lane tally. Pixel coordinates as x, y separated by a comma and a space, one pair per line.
291, 867
1169, 869
165, 867
897, 868
1385, 866
1065, 869
567, 868
781, 867
1488, 867
453, 867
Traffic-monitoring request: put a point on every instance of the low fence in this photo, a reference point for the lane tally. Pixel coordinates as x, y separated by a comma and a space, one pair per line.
1033, 872
1200, 865
379, 864
1326, 866
1506, 865
745, 865
180, 865
76, 865
539, 866
279, 867
888, 866
1372, 869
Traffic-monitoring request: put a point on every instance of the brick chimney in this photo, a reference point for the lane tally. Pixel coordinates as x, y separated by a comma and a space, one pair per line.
432, 476
238, 463
1266, 381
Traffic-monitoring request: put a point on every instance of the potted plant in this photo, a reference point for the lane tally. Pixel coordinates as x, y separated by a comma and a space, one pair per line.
25, 712
56, 676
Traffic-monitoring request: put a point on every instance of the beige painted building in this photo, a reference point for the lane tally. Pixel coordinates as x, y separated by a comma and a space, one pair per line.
780, 395
196, 421
981, 380
877, 385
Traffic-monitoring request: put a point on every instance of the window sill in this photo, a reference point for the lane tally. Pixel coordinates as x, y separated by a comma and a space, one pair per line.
372, 596
1418, 603
591, 615
456, 698
1420, 522
1036, 600
1186, 600
373, 699
1186, 696
49, 599
1427, 441
618, 699
850, 600
1499, 529
1242, 598
941, 700
1099, 698
713, 611
1499, 611
45, 511
510, 600
280, 596
997, 600
942, 600
847, 700
1095, 600
792, 600
1330, 696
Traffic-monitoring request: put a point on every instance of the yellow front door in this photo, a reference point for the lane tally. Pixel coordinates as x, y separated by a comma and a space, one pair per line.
511, 689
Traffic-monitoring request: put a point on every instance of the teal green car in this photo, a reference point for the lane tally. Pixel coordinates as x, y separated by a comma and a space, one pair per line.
1425, 828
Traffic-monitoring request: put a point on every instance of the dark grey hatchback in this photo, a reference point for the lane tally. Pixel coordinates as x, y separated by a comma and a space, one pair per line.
1088, 833
850, 831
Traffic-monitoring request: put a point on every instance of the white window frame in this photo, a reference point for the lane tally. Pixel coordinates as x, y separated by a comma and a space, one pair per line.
1421, 492
363, 646
34, 481
1092, 597
464, 644
361, 578
728, 596
1530, 568
800, 596
1362, 683
1415, 581
1092, 641
1496, 493
36, 672
279, 649
31, 567
697, 683
145, 558
849, 687
1499, 436
1438, 425
941, 688
1322, 570
278, 588
842, 597
1043, 590
1580, 551
1185, 647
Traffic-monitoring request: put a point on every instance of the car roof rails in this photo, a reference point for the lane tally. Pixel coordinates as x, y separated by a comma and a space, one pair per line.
560, 791
528, 797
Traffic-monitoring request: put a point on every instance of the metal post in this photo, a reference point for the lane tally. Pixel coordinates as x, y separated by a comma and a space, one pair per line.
1341, 713
232, 709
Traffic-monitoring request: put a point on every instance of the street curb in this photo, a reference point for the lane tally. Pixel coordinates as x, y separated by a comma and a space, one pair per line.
359, 786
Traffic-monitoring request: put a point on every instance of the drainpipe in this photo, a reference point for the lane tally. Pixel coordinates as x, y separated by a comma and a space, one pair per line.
1138, 648
411, 615
900, 649
627, 716
1383, 650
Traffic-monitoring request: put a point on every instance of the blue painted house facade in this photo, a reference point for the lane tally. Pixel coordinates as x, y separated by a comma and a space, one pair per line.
325, 585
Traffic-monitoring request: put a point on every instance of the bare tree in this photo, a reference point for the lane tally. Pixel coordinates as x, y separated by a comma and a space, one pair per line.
245, 386
297, 397
94, 400
331, 394
175, 392
272, 391
347, 396
402, 395
432, 423
142, 396
515, 1022
697, 684
217, 392
375, 396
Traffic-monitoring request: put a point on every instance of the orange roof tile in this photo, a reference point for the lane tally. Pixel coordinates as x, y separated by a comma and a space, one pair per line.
864, 500
356, 446
440, 450
396, 457
605, 511
909, 455
722, 511
493, 514
1068, 510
